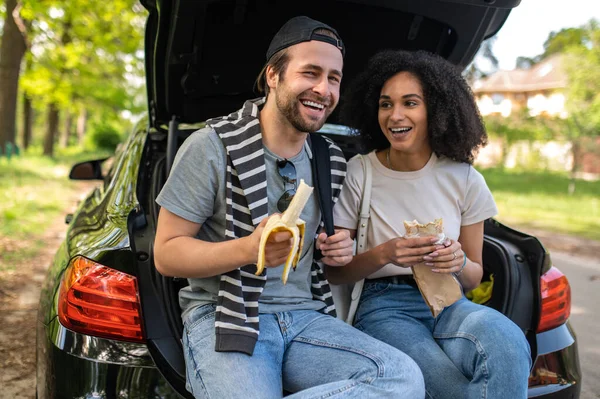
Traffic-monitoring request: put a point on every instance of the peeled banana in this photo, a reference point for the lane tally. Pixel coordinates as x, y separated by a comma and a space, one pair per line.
290, 221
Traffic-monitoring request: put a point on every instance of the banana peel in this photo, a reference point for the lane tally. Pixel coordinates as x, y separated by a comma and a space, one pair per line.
287, 221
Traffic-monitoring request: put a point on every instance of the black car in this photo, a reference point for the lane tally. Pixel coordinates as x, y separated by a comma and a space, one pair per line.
109, 324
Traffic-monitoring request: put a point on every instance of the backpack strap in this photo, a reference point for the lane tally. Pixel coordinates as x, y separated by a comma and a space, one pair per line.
321, 168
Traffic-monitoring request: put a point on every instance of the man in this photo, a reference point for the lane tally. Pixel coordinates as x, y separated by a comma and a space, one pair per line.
226, 179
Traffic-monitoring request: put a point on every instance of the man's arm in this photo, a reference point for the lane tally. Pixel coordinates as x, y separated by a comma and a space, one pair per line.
178, 253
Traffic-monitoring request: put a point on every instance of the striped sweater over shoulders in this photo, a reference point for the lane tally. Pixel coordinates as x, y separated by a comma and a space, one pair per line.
236, 318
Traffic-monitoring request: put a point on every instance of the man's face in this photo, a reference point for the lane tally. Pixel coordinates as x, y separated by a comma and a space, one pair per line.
309, 89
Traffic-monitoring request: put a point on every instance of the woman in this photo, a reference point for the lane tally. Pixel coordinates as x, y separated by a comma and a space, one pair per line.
418, 118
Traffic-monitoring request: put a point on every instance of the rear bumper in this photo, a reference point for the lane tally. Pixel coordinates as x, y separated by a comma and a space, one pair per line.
556, 373
72, 365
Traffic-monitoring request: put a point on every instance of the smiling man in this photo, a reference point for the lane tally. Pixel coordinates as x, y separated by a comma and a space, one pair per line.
251, 336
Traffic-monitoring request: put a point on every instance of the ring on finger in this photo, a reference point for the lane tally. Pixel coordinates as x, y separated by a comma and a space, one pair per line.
453, 255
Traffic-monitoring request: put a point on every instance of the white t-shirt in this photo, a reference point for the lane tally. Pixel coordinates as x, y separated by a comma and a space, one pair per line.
443, 188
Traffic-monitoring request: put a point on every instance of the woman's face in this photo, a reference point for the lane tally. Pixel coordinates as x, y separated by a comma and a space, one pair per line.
402, 114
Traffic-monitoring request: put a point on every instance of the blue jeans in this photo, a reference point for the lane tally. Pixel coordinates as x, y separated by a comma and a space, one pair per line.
468, 351
304, 352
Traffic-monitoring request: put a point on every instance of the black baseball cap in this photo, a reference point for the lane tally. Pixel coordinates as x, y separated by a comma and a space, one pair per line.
302, 29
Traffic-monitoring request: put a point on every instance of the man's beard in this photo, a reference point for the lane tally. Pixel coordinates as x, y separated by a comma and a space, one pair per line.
289, 107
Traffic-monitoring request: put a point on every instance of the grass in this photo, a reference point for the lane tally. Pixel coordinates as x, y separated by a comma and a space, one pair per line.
541, 200
34, 192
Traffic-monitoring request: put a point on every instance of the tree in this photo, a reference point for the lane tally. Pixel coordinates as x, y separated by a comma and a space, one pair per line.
526, 62
485, 55
563, 40
580, 50
582, 65
12, 49
85, 54
556, 43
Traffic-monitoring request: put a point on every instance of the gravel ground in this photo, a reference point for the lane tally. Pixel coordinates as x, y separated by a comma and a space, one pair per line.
19, 294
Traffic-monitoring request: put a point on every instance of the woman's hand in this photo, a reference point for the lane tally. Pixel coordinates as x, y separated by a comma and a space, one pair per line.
407, 252
336, 249
448, 259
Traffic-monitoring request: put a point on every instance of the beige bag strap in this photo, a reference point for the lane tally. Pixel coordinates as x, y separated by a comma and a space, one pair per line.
361, 232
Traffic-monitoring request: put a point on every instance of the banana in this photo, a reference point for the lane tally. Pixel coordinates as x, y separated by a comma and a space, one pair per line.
290, 221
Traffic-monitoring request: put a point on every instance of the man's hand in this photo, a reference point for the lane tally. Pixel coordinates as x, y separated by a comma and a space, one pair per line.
336, 249
278, 246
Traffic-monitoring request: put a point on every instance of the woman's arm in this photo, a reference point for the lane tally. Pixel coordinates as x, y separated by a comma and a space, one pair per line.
471, 239
403, 252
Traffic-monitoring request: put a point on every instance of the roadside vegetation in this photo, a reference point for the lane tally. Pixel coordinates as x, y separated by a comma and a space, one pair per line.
34, 192
541, 200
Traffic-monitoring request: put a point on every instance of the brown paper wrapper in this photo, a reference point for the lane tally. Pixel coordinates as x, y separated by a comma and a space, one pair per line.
438, 290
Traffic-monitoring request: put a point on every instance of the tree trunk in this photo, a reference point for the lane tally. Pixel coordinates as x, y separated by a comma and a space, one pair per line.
576, 154
505, 150
66, 134
52, 130
81, 125
27, 121
12, 49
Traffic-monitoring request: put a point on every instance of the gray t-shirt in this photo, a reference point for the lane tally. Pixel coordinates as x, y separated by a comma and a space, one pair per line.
195, 190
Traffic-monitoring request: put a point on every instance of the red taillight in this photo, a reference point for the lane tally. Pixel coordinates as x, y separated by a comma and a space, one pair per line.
97, 300
556, 299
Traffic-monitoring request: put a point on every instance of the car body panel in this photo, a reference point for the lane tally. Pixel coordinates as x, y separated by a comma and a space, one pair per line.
80, 366
556, 372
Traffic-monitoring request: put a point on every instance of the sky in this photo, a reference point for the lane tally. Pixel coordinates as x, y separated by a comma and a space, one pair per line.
530, 23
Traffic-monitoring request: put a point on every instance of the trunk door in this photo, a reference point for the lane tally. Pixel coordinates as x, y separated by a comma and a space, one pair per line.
202, 57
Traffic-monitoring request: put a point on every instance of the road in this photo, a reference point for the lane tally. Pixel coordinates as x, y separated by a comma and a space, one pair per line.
584, 277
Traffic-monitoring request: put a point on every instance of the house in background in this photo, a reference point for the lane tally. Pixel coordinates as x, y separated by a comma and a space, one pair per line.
539, 90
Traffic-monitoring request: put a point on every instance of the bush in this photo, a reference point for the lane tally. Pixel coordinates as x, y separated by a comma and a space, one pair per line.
103, 136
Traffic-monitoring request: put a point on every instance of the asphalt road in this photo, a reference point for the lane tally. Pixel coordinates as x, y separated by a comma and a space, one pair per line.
584, 277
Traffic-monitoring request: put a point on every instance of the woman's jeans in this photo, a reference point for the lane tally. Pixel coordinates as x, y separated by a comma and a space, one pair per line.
304, 352
468, 351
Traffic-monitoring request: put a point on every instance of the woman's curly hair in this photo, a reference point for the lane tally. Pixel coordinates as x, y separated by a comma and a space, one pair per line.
455, 127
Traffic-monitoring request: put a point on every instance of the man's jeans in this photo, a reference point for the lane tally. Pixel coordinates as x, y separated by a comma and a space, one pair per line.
468, 351
306, 352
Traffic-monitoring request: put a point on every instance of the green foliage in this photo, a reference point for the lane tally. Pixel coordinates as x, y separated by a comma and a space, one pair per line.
85, 54
582, 65
103, 136
519, 126
34, 192
563, 40
31, 194
526, 62
485, 55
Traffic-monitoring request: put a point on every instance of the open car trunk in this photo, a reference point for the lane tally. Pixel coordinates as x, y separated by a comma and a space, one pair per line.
516, 260
202, 57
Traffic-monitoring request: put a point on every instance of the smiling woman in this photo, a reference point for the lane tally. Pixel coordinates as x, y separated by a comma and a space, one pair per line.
425, 127
403, 120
